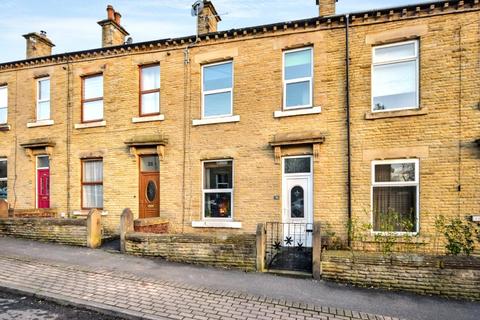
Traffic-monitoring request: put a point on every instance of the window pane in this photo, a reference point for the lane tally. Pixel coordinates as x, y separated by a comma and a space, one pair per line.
150, 103
297, 209
93, 87
43, 112
395, 172
394, 208
218, 205
150, 78
297, 165
93, 171
298, 94
93, 196
218, 175
3, 190
44, 89
395, 52
217, 77
93, 110
3, 169
395, 86
3, 97
298, 64
149, 164
3, 115
43, 162
218, 104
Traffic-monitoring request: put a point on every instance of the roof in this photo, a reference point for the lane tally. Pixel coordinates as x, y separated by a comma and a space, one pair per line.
330, 21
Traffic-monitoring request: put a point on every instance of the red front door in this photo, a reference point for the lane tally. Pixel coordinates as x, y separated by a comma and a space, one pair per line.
43, 188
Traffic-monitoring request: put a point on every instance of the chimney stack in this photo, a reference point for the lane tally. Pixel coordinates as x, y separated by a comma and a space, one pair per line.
113, 34
327, 7
208, 19
38, 45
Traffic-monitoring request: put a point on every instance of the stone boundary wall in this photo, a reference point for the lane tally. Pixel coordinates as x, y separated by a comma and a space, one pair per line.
449, 276
226, 251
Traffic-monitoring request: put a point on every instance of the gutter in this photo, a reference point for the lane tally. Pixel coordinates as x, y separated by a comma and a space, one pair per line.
347, 105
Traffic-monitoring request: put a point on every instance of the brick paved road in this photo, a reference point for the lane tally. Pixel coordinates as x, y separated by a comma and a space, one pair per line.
153, 299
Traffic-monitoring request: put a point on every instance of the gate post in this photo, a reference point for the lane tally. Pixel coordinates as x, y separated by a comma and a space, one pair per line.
126, 226
261, 246
317, 251
94, 229
3, 208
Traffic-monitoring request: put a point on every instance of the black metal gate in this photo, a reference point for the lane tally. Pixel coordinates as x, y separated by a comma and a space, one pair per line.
289, 246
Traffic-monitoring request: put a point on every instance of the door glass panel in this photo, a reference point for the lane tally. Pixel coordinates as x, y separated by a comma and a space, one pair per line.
43, 162
151, 191
297, 208
297, 165
149, 164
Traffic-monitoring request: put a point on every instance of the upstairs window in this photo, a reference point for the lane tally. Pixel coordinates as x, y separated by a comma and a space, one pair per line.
395, 77
395, 192
3, 104
217, 88
3, 179
297, 78
43, 99
149, 90
218, 189
92, 100
92, 184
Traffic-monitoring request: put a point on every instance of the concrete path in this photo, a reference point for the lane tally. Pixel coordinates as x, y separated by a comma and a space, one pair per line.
159, 288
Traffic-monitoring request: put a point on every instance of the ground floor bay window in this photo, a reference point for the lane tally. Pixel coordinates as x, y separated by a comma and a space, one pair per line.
218, 189
92, 184
395, 193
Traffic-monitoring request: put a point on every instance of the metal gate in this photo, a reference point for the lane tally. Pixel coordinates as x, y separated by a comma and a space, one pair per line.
289, 246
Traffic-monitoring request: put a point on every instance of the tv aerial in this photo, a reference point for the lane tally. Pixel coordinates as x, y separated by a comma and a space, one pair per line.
197, 8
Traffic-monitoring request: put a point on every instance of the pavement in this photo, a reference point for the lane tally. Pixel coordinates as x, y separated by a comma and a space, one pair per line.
21, 307
136, 287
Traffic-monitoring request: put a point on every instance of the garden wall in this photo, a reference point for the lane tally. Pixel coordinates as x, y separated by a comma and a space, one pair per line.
227, 251
65, 231
450, 276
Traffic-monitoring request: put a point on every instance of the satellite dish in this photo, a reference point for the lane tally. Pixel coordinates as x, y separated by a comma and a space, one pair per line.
197, 8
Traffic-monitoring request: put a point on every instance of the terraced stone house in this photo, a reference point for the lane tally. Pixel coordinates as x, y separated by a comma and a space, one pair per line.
367, 117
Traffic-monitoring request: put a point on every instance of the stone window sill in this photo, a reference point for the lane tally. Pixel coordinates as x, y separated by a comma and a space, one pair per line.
201, 122
5, 127
297, 112
84, 213
90, 125
159, 117
392, 114
217, 224
40, 123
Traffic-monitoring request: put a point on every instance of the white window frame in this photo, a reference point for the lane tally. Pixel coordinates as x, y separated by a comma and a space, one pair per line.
205, 191
297, 80
415, 58
210, 92
6, 178
415, 183
6, 119
84, 101
40, 101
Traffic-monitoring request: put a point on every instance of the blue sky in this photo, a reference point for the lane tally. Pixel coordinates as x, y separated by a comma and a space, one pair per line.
71, 24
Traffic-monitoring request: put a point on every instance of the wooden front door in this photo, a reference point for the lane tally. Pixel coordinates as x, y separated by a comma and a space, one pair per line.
149, 194
43, 182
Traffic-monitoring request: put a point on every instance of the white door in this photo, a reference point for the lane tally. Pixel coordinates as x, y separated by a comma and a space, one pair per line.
297, 201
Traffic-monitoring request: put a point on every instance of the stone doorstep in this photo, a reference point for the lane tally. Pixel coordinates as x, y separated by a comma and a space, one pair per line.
151, 225
149, 222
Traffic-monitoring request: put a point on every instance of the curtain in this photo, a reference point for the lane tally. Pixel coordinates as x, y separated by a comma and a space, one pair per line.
394, 208
150, 78
93, 171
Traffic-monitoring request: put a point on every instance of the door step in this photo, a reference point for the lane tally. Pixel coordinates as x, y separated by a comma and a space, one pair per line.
291, 273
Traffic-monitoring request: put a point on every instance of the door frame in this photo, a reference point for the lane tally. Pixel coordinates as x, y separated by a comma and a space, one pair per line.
36, 178
139, 181
299, 175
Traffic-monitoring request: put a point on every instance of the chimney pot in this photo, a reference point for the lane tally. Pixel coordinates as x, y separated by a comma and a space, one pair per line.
110, 13
118, 17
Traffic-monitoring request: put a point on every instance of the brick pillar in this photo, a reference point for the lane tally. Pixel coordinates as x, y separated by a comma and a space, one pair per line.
126, 226
317, 251
94, 229
3, 208
261, 246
